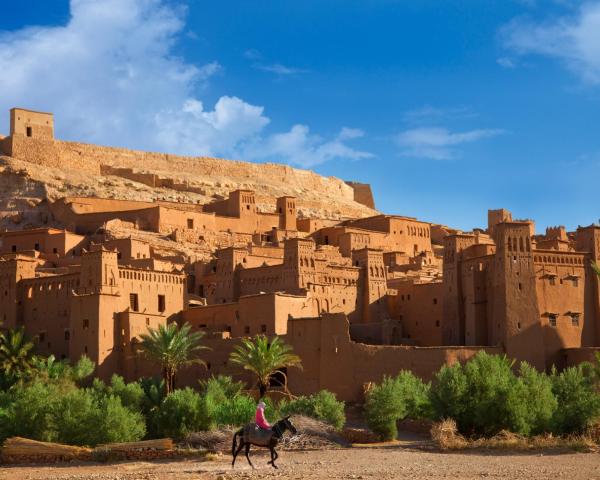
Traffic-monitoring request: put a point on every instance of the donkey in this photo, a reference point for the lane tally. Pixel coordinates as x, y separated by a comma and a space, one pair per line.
253, 435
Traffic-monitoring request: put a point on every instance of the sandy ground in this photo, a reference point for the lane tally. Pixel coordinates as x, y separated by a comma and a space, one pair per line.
378, 463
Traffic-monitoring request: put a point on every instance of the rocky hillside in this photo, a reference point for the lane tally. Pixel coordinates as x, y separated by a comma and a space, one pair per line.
45, 171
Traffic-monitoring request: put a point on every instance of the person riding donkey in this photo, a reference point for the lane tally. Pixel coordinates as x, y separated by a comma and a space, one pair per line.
260, 419
262, 434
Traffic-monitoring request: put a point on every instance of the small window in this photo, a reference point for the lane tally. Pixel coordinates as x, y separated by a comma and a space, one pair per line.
263, 328
29, 131
246, 329
552, 320
37, 247
552, 281
14, 248
42, 336
161, 303
437, 323
575, 319
575, 282
147, 322
133, 302
435, 301
228, 329
247, 207
85, 349
190, 223
86, 324
55, 250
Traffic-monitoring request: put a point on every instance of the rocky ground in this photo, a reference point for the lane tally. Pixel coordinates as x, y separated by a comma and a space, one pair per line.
398, 461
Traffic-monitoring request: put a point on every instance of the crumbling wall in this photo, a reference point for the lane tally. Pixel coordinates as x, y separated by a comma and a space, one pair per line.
363, 194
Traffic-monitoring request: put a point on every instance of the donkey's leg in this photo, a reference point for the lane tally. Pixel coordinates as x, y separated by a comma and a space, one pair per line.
273, 456
238, 450
248, 456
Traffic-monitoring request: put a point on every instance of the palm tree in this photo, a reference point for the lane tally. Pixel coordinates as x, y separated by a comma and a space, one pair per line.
172, 348
264, 358
16, 354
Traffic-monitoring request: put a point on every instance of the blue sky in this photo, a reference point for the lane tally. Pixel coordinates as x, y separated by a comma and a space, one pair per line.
447, 108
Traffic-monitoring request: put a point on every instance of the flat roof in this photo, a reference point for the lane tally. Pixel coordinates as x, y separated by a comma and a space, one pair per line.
29, 110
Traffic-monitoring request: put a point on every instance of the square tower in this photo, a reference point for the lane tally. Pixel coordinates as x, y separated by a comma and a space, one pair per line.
31, 124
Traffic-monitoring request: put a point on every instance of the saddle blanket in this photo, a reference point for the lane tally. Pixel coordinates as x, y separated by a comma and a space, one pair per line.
256, 435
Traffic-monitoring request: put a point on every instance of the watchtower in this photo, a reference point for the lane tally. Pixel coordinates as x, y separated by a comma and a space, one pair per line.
31, 124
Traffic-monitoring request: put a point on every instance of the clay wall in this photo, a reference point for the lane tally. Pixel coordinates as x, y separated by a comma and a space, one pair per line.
324, 344
128, 248
13, 271
46, 311
405, 234
478, 290
48, 241
419, 307
29, 123
310, 225
251, 315
561, 284
363, 194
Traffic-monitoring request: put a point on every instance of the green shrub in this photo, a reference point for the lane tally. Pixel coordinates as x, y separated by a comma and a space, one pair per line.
578, 402
448, 393
490, 382
119, 423
531, 404
182, 412
77, 418
383, 407
485, 396
29, 412
235, 411
395, 399
63, 413
131, 395
221, 387
322, 406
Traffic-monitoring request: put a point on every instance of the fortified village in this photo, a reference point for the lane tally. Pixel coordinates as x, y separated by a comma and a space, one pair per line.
97, 244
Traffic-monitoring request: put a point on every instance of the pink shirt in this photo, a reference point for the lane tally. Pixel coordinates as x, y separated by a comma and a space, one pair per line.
261, 421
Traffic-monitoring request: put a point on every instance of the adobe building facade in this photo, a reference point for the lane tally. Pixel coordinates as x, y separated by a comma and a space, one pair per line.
357, 298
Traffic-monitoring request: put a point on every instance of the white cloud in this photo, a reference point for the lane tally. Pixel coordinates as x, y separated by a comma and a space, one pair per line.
111, 77
506, 62
279, 69
428, 114
438, 143
573, 39
306, 149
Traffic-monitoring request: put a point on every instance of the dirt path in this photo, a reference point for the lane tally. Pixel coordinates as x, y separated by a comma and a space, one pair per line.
379, 463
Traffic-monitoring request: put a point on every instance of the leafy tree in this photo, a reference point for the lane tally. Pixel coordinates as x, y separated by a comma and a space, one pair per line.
172, 347
16, 355
264, 358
